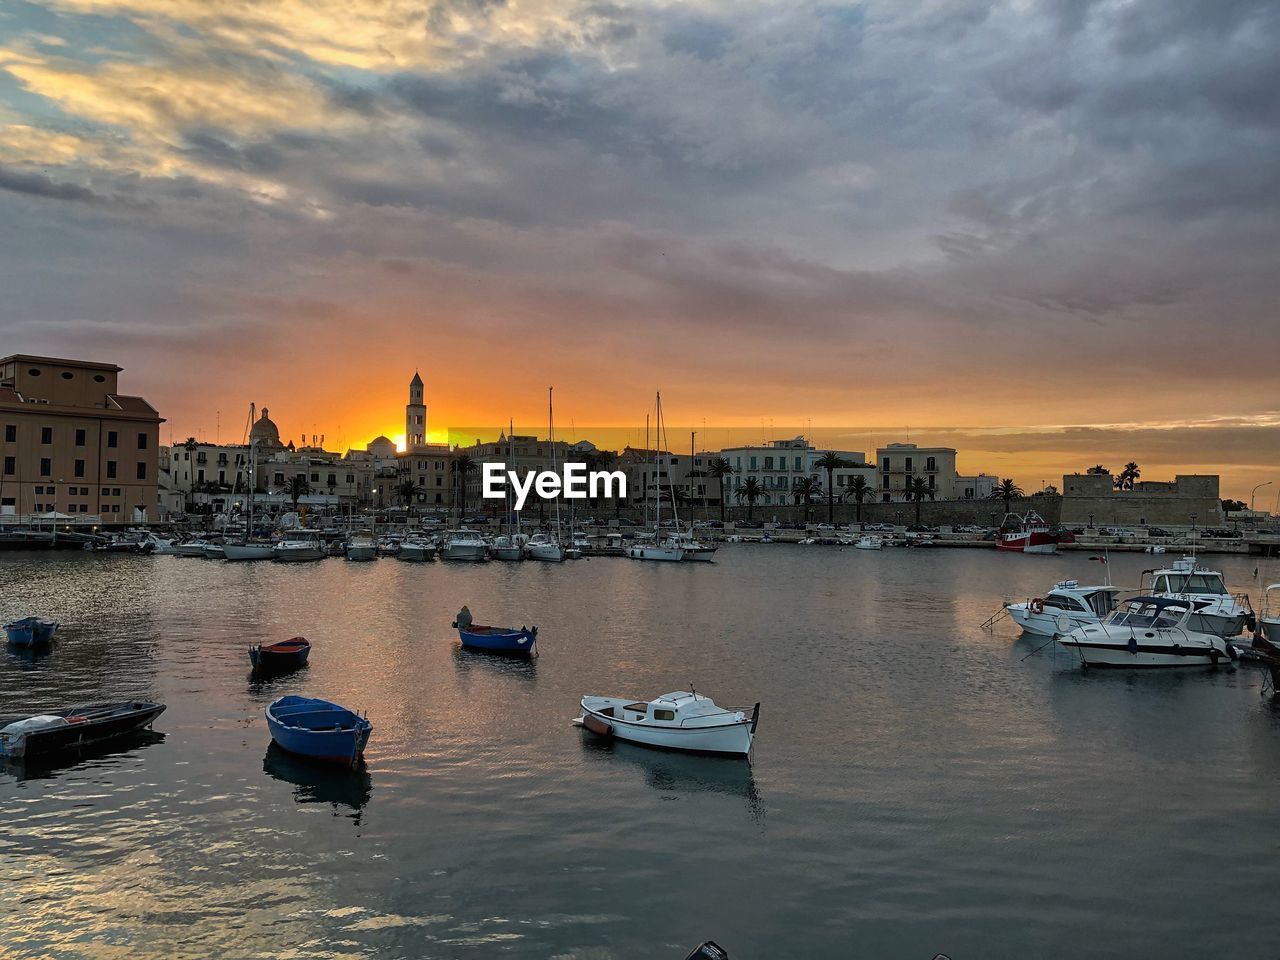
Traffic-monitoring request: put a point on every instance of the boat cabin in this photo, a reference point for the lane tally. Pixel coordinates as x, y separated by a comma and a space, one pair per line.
675, 709
1160, 613
1069, 597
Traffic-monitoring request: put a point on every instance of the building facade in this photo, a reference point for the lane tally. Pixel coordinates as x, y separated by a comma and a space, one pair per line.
73, 444
900, 463
779, 464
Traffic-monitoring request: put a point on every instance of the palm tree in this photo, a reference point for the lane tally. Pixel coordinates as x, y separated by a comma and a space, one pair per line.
830, 462
461, 466
917, 490
1128, 476
1099, 468
299, 487
406, 489
750, 491
859, 489
1008, 491
719, 467
803, 492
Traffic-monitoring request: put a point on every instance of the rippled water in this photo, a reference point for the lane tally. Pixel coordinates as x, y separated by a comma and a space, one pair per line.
918, 784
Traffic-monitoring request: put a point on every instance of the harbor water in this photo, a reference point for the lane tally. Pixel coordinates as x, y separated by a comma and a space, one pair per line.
919, 784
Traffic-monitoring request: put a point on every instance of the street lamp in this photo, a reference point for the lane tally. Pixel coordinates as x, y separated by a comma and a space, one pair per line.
1255, 490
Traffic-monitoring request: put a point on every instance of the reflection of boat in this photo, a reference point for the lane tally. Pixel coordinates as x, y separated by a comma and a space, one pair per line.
44, 765
1026, 534
668, 771
56, 731
318, 729
317, 783
1080, 605
1145, 632
31, 632
674, 721
1214, 610
280, 657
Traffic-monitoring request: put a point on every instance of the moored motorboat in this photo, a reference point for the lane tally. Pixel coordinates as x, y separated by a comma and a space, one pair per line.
673, 721
1214, 610
416, 548
1080, 605
695, 550
280, 657
319, 729
31, 632
511, 640
1026, 534
542, 547
1269, 618
55, 731
248, 550
463, 544
362, 547
298, 546
869, 542
1145, 631
191, 548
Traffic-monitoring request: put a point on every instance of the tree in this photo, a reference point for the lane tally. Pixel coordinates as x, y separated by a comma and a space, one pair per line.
1099, 468
720, 468
803, 492
299, 487
917, 490
406, 489
1233, 506
1128, 476
1008, 491
462, 465
750, 491
830, 462
859, 489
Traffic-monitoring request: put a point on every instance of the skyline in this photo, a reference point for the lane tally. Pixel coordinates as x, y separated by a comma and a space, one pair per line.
1041, 233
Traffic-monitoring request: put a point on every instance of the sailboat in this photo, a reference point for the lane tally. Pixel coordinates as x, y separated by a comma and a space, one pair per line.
655, 548
510, 545
544, 546
247, 548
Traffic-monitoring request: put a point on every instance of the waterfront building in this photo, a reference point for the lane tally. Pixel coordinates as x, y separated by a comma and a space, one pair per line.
74, 444
779, 464
900, 463
979, 487
208, 467
1189, 500
649, 471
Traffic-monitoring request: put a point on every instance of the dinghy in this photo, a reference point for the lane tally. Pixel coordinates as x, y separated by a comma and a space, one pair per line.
318, 729
61, 730
280, 657
674, 721
31, 632
475, 636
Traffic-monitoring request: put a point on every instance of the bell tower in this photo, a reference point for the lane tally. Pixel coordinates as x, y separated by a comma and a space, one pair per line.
415, 415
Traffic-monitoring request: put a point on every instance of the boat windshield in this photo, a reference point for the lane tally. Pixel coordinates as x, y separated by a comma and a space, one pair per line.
1196, 583
1146, 615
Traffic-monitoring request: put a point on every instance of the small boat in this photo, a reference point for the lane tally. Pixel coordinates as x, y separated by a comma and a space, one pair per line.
1145, 632
695, 550
542, 547
280, 657
318, 729
710, 950
298, 546
869, 542
214, 551
1026, 534
669, 549
388, 546
507, 548
362, 547
59, 730
192, 548
248, 550
674, 721
1043, 616
463, 544
1214, 610
416, 548
494, 639
31, 632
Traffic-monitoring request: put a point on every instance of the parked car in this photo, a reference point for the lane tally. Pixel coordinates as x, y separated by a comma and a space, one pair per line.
878, 527
921, 528
969, 528
1115, 532
1158, 532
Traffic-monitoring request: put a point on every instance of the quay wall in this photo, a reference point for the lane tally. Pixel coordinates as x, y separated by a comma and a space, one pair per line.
1159, 504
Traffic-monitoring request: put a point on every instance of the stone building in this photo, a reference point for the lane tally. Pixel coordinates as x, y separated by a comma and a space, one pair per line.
73, 443
1188, 500
899, 463
777, 466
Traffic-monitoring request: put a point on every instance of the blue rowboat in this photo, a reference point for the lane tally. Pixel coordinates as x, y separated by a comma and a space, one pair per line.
318, 729
31, 631
499, 639
280, 657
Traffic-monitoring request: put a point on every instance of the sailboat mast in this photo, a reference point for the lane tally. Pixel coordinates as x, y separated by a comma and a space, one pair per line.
551, 431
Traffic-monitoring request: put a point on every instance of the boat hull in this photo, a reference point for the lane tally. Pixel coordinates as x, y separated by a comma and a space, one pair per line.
280, 657
1096, 646
415, 553
248, 551
497, 640
464, 552
1044, 623
298, 554
362, 552
1032, 542
733, 739
672, 554
31, 632
700, 554
343, 742
550, 552
116, 720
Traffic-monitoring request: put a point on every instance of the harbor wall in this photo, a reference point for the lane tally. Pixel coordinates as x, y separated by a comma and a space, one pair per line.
1186, 500
933, 513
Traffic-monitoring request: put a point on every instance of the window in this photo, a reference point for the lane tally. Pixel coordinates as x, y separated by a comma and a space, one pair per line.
10, 433
351, 478
886, 464
99, 378
333, 480
111, 469
142, 443
106, 491
79, 468
886, 483
908, 466
46, 467
279, 478
33, 371
798, 466
664, 714
115, 492
315, 478
113, 438
79, 438
199, 476
142, 471
768, 463
931, 463
66, 375
10, 466
46, 435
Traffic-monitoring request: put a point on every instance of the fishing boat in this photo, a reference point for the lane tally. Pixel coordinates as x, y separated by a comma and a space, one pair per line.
280, 657
1146, 631
1026, 534
542, 546
31, 632
318, 729
869, 542
417, 548
1080, 605
298, 545
56, 731
674, 721
521, 641
1214, 610
362, 547
463, 544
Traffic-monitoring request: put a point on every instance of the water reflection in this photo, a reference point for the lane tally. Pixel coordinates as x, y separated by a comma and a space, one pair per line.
681, 774
108, 753
321, 783
500, 664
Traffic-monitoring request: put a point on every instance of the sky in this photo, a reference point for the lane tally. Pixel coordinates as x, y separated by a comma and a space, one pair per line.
1044, 233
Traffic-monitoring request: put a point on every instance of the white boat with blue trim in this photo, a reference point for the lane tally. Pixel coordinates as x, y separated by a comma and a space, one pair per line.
674, 721
1146, 632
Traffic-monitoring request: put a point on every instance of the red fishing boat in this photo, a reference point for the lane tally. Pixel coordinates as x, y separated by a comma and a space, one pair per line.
1026, 534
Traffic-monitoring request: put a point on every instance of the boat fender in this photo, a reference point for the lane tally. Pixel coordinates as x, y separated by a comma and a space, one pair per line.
1037, 605
1214, 655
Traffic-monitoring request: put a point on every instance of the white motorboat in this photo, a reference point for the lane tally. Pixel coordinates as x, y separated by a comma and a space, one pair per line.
1146, 632
153, 544
674, 721
248, 551
1269, 618
417, 548
214, 551
463, 544
298, 545
869, 542
362, 547
388, 546
1214, 609
192, 548
1080, 605
507, 548
542, 547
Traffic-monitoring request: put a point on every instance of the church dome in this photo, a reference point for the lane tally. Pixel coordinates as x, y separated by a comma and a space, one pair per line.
264, 431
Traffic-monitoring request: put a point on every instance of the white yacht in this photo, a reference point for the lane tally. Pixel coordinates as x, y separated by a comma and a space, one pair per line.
414, 547
694, 549
299, 545
1080, 605
541, 546
463, 544
1146, 632
1214, 609
362, 547
667, 549
674, 721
